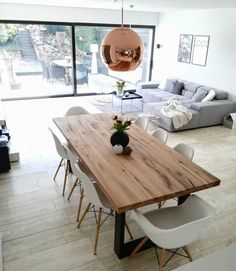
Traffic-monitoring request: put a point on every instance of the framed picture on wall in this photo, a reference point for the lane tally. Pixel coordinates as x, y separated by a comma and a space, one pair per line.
185, 48
200, 50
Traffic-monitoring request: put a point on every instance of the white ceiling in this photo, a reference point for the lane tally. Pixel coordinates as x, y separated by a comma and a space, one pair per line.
139, 5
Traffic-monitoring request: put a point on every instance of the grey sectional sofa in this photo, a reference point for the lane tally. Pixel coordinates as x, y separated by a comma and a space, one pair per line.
156, 96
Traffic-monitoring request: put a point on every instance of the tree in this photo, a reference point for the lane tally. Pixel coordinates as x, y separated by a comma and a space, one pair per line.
8, 32
84, 36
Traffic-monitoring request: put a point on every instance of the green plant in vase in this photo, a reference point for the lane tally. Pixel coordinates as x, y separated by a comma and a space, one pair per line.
120, 84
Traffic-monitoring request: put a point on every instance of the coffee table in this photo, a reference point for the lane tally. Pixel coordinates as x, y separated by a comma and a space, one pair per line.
132, 96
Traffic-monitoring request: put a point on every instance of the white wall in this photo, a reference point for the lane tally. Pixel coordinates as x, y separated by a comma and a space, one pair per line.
220, 69
62, 14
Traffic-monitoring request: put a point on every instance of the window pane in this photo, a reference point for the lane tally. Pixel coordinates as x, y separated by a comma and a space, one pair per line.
91, 73
35, 60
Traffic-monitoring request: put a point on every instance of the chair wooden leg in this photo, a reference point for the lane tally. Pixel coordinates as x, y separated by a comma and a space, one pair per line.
186, 250
97, 231
162, 258
54, 178
65, 178
80, 203
128, 230
139, 246
84, 214
73, 188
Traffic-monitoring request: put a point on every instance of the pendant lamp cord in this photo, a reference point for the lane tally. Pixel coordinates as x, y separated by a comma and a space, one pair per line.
122, 14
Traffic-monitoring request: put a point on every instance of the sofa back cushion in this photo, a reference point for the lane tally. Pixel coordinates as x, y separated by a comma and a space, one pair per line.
189, 89
220, 94
200, 94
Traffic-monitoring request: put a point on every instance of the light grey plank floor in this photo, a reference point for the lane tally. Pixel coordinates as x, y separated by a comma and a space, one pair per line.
39, 225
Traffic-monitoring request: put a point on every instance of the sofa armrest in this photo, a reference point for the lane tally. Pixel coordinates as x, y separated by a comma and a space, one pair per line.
213, 112
150, 84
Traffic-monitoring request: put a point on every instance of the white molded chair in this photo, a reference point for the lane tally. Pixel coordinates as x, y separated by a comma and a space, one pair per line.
76, 110
185, 149
73, 161
174, 227
142, 123
62, 152
97, 200
160, 134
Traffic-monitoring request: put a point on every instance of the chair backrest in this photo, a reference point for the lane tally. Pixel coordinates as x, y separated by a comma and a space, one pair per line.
142, 122
87, 183
160, 134
61, 150
76, 110
174, 227
185, 149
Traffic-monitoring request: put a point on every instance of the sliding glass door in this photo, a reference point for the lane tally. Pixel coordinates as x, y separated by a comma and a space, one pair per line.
35, 60
45, 60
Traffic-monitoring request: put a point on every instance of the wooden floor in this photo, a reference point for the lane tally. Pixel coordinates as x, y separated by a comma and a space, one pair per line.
39, 225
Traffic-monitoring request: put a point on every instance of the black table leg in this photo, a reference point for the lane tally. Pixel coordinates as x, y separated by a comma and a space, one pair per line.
182, 199
122, 248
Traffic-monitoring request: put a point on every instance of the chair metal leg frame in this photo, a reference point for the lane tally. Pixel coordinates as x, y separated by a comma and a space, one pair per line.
73, 187
98, 222
160, 260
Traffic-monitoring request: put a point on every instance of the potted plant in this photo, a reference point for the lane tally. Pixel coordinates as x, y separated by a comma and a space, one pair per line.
121, 125
120, 84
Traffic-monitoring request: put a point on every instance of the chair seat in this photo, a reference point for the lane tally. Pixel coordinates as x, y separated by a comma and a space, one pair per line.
174, 217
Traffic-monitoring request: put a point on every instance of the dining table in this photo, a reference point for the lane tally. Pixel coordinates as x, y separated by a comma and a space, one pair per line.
153, 172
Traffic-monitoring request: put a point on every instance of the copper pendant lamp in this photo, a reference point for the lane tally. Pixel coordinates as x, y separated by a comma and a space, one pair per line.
122, 48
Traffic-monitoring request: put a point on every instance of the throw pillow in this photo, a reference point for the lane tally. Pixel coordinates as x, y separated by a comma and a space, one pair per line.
170, 84
163, 84
177, 88
210, 96
200, 94
167, 84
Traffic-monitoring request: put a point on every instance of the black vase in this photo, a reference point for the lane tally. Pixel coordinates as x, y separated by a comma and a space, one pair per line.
119, 138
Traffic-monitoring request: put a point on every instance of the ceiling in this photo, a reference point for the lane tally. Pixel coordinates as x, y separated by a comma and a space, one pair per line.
138, 5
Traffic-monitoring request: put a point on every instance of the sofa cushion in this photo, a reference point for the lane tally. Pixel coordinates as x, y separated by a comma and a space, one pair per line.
168, 84
189, 89
200, 94
177, 88
210, 96
220, 94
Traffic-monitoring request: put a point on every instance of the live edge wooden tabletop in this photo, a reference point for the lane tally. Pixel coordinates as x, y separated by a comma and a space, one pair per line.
152, 173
